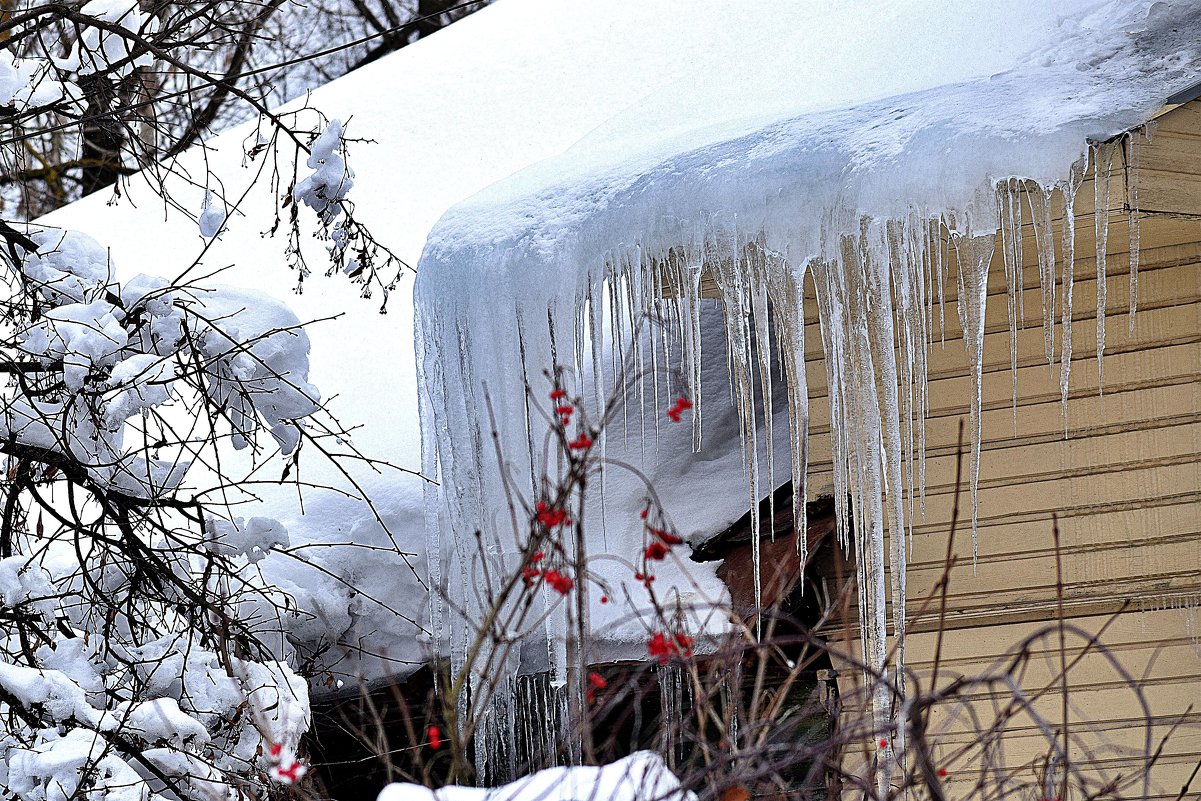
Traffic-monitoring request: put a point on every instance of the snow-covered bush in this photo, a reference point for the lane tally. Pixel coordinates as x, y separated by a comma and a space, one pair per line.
126, 673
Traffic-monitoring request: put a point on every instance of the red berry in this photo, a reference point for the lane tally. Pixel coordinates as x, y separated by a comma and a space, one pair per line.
656, 550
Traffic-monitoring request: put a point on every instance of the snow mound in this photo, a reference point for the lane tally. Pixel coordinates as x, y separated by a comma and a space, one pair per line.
639, 777
116, 348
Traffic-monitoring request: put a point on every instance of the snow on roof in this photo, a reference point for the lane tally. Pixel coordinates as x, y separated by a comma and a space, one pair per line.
809, 136
875, 107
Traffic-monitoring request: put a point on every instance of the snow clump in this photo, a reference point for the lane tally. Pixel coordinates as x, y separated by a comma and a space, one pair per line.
331, 180
641, 776
117, 351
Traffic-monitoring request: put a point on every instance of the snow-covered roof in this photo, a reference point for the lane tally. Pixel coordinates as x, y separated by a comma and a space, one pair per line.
872, 107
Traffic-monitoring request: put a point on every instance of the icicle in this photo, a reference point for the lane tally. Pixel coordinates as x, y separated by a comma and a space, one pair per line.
1102, 170
907, 255
1044, 243
692, 291
1132, 194
621, 346
940, 271
757, 268
1075, 177
596, 346
1005, 205
882, 336
974, 254
831, 310
1015, 221
729, 267
854, 333
789, 308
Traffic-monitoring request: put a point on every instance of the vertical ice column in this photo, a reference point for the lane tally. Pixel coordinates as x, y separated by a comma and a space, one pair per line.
974, 254
1102, 172
1039, 200
1069, 189
1131, 142
727, 257
788, 304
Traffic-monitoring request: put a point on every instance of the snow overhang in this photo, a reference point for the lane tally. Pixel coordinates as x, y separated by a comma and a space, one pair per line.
559, 263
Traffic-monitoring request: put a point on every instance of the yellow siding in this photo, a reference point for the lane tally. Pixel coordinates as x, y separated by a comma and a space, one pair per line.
1124, 482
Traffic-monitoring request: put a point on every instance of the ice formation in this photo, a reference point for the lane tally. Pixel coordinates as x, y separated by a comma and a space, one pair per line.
880, 204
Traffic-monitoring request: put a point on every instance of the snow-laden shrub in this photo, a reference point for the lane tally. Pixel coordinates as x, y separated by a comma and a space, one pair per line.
126, 671
112, 356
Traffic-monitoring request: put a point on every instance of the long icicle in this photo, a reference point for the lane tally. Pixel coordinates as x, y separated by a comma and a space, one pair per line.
787, 287
1132, 194
1103, 168
1005, 205
1075, 178
974, 254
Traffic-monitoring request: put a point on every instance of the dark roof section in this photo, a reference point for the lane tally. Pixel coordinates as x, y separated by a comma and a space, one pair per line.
720, 544
1184, 96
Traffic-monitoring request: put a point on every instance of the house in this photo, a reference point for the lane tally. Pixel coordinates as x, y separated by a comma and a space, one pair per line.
1016, 250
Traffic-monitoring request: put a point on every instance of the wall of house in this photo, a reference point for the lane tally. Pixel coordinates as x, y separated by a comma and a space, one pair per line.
1121, 474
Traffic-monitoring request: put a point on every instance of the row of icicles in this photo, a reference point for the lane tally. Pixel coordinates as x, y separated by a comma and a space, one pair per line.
879, 298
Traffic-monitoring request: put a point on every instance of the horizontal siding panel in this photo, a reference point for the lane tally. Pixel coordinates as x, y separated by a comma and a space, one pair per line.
1107, 721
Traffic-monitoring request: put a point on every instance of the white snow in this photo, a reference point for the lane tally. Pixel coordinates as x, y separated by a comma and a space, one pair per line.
116, 349
212, 216
331, 180
29, 82
642, 776
101, 50
253, 538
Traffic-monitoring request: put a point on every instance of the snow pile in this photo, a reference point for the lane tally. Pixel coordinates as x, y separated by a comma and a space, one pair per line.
111, 719
115, 356
212, 216
639, 777
331, 180
806, 155
106, 47
104, 50
29, 82
252, 539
